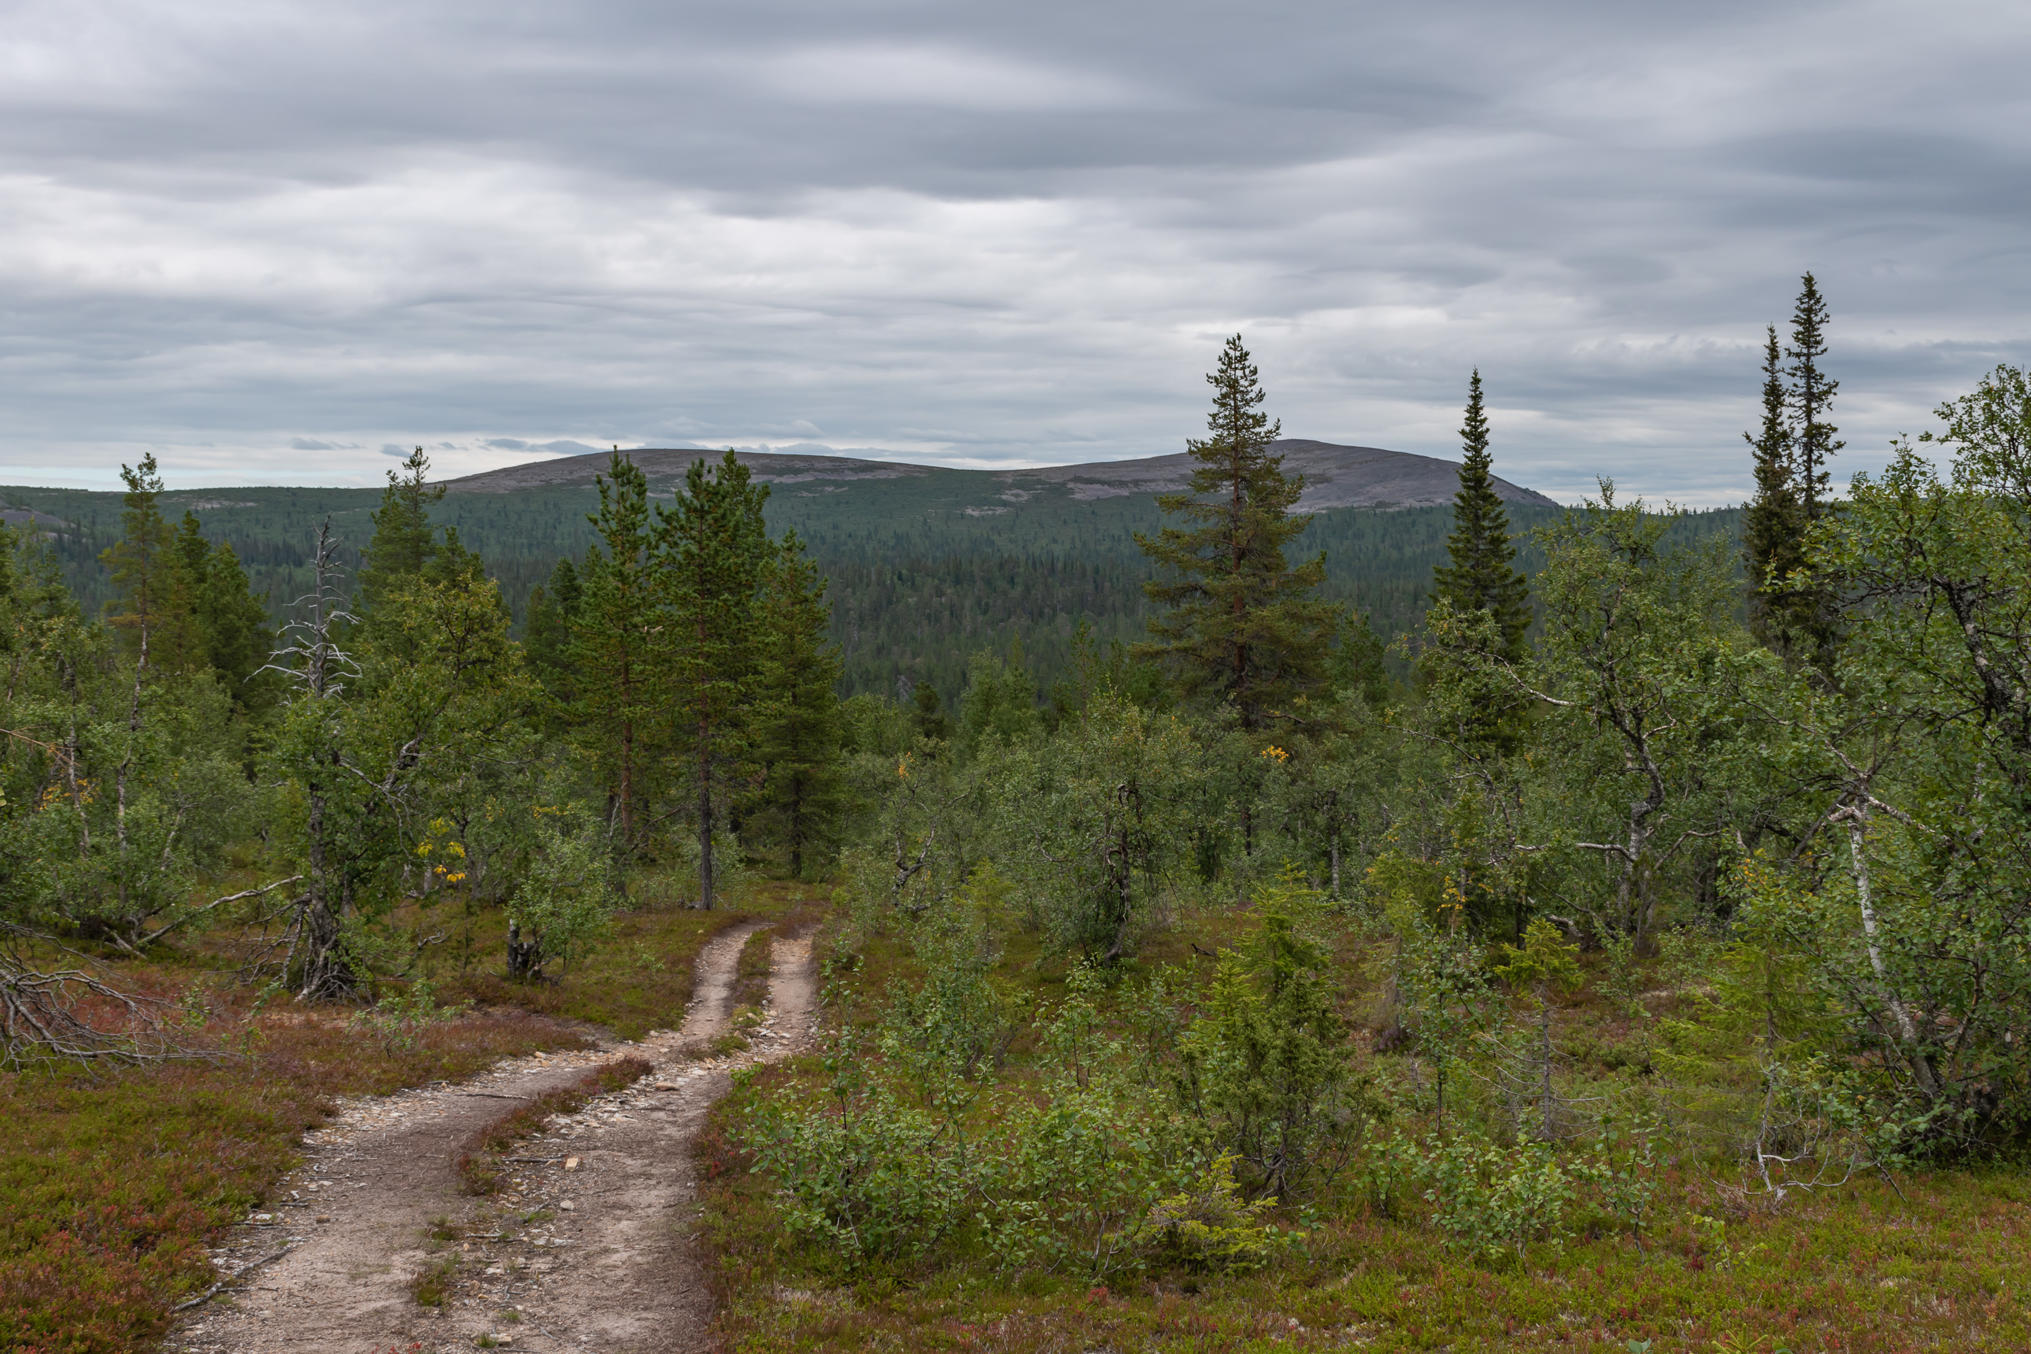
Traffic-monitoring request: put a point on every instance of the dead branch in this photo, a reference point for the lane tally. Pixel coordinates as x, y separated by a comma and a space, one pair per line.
231, 1279
38, 1020
165, 929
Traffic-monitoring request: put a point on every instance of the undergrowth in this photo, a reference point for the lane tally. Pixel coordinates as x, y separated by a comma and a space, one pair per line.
1424, 1241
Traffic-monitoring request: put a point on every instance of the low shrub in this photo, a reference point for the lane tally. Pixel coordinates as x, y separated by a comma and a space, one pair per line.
1213, 1229
1497, 1201
905, 1159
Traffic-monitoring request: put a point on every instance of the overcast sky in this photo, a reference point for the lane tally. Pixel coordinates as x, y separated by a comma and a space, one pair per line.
274, 241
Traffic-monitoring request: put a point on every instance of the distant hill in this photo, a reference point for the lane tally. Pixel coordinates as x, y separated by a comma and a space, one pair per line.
928, 564
1335, 476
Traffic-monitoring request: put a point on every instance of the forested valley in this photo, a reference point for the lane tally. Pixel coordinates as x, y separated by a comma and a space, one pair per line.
917, 583
1611, 938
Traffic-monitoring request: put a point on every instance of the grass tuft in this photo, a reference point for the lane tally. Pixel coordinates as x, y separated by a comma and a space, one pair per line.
432, 1284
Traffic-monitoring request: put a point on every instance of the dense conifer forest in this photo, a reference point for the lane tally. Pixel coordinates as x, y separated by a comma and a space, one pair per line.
917, 586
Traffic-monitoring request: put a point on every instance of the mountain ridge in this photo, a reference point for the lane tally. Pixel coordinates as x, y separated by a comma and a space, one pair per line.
1337, 475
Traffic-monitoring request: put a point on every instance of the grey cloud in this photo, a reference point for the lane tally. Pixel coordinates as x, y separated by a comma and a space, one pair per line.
562, 447
1011, 233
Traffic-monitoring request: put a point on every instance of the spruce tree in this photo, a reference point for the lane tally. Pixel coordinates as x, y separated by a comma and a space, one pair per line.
234, 635
1360, 661
712, 548
1240, 624
404, 544
1811, 621
1774, 526
927, 712
551, 620
616, 649
1000, 700
1482, 574
1809, 396
151, 606
798, 722
193, 553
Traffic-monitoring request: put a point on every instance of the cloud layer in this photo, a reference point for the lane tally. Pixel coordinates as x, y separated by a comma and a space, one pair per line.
267, 240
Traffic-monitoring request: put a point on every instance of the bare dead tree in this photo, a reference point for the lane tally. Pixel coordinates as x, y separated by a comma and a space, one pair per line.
310, 657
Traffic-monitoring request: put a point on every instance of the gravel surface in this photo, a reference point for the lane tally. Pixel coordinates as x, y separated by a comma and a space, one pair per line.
587, 1247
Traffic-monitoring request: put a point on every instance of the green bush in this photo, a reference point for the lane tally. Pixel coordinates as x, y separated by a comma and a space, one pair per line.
1264, 1069
865, 1175
1212, 1228
907, 1160
1496, 1201
1071, 1170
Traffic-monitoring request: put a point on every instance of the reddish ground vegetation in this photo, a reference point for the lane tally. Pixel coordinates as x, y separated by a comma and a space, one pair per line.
112, 1180
479, 1160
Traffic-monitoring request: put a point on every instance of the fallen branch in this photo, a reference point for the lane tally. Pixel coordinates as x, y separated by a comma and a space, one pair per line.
36, 1019
223, 1284
165, 929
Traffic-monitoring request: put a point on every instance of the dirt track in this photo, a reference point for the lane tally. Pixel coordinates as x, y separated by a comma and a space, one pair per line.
597, 1257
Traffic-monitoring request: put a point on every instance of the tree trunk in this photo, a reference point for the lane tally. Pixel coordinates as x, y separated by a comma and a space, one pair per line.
1545, 1102
120, 777
628, 783
1637, 904
525, 957
797, 828
704, 837
323, 971
1907, 1029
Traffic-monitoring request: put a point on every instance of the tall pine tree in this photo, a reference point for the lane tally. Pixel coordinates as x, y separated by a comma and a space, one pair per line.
1240, 623
1482, 574
712, 549
616, 648
552, 619
151, 606
927, 712
1774, 526
1810, 624
798, 723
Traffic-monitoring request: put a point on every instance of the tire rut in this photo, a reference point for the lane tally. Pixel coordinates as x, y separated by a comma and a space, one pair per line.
589, 1247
